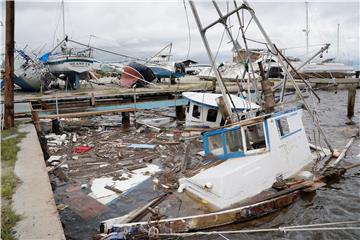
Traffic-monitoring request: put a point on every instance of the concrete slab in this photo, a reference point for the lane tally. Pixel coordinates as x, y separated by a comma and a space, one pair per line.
34, 198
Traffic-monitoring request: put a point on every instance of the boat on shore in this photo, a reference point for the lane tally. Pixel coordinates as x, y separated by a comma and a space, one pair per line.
31, 74
162, 65
136, 74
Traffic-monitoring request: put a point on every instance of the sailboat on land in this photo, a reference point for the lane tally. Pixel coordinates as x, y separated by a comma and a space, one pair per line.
70, 62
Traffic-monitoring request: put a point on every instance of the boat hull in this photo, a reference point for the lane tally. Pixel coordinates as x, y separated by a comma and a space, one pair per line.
214, 219
69, 64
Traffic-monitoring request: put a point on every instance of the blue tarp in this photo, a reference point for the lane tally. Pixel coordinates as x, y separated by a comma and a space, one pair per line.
44, 58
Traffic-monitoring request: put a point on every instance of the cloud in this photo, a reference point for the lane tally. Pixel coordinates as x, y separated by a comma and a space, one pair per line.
141, 28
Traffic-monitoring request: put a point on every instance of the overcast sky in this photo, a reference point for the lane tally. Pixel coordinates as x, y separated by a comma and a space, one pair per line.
141, 28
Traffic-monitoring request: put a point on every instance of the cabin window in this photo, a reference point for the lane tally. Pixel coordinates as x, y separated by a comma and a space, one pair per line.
283, 126
216, 146
196, 111
188, 107
234, 141
255, 137
212, 115
224, 143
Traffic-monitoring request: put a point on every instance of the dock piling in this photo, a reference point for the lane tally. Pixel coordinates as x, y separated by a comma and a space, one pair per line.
125, 119
351, 101
180, 113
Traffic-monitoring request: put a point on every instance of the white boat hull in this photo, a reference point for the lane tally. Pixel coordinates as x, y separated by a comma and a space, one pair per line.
70, 64
239, 178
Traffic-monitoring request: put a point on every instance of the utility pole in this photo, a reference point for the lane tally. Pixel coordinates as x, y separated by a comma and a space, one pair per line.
9, 65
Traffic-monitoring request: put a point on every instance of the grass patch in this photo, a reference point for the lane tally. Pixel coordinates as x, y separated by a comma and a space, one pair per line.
9, 181
8, 185
8, 221
9, 148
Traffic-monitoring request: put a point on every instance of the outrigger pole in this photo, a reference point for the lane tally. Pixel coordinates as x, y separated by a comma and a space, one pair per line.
208, 50
297, 89
222, 19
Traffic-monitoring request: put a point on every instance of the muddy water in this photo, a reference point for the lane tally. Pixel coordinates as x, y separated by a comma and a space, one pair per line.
337, 202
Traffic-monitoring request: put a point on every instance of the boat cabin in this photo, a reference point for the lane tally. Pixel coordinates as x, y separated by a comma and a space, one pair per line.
202, 109
251, 155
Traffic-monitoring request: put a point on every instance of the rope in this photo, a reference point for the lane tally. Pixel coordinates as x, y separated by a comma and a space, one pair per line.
309, 227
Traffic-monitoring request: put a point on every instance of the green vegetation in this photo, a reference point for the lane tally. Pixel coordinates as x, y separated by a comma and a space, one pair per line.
9, 181
8, 185
8, 220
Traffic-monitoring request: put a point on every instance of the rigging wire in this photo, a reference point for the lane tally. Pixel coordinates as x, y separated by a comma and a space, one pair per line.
57, 23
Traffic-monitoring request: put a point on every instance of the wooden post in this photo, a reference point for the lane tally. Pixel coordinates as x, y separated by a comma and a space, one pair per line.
267, 91
36, 120
92, 100
222, 107
172, 80
351, 101
180, 113
214, 85
125, 119
9, 66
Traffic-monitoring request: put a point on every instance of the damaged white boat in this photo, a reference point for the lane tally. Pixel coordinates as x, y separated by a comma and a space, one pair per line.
203, 109
244, 161
256, 152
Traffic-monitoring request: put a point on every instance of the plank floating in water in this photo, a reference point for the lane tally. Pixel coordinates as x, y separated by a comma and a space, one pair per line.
143, 146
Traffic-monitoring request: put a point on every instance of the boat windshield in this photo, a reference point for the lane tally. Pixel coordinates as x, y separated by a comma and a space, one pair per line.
224, 143
235, 141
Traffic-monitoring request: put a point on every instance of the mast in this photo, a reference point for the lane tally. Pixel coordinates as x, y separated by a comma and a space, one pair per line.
307, 29
338, 40
63, 17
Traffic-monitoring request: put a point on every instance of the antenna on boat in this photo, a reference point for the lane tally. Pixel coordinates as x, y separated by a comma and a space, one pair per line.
306, 30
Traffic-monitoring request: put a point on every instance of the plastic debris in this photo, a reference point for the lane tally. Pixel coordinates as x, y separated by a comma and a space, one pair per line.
82, 149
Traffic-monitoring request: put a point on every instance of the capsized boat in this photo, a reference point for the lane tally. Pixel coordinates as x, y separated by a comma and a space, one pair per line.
30, 74
136, 74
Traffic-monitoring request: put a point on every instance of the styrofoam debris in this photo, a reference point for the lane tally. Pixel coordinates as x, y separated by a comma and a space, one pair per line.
54, 158
105, 196
64, 166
